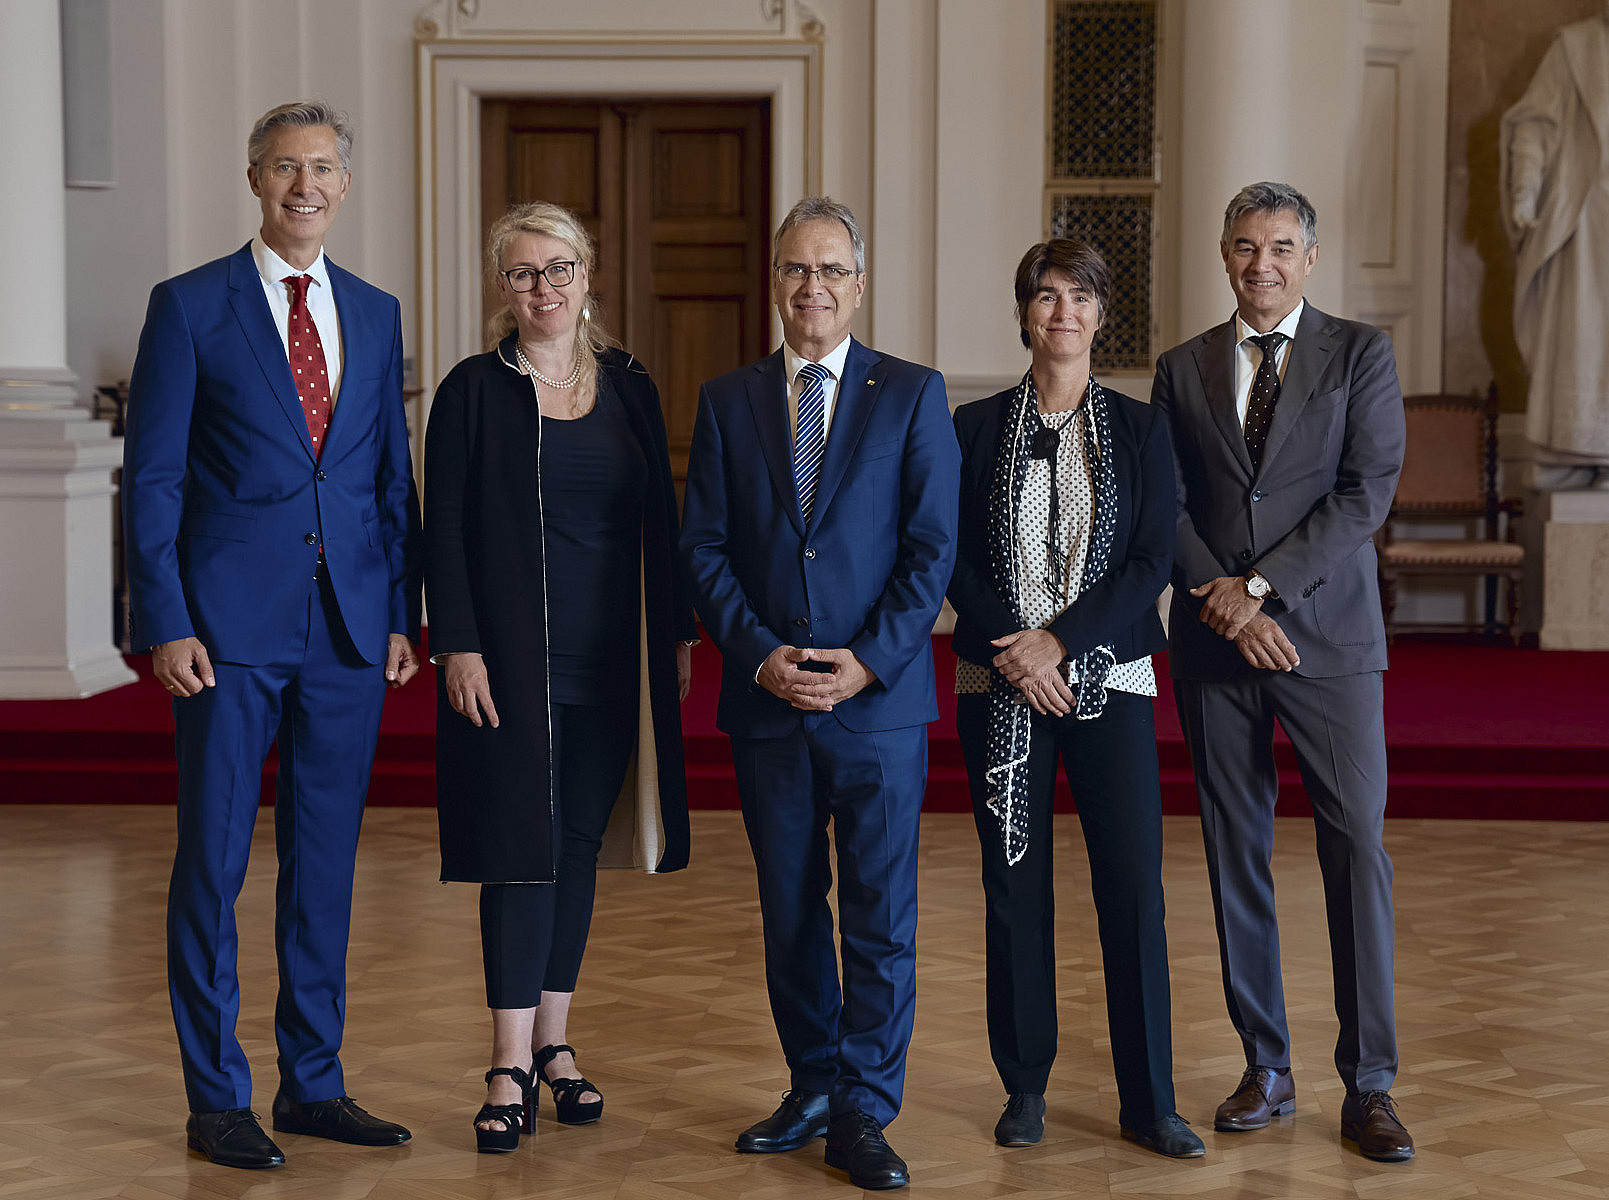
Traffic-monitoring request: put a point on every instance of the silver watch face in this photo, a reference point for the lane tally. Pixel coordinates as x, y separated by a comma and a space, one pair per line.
1257, 587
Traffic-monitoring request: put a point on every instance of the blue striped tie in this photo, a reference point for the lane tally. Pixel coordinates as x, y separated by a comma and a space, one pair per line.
811, 438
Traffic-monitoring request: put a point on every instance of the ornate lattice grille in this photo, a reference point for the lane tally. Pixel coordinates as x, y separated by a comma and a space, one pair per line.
1121, 228
1103, 166
1103, 90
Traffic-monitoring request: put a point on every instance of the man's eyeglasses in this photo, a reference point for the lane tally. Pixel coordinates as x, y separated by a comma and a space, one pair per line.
523, 279
829, 275
285, 169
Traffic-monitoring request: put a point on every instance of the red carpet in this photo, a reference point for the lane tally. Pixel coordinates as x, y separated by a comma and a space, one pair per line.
1472, 731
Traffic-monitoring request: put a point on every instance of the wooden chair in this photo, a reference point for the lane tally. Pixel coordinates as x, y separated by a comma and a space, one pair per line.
1449, 474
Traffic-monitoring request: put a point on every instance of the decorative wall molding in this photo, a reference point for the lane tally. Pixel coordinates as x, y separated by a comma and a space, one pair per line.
687, 19
1395, 206
453, 71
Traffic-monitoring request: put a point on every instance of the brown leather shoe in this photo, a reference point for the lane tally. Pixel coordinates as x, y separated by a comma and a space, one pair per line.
1264, 1093
1370, 1120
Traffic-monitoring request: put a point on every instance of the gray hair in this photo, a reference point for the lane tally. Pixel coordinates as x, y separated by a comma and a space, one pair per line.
822, 208
303, 114
1272, 198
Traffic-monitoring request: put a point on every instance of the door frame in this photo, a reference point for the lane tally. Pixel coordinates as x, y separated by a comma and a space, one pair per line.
451, 77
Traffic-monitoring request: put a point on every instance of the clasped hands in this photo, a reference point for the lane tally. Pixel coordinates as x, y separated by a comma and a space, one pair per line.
1030, 660
1233, 614
813, 691
184, 667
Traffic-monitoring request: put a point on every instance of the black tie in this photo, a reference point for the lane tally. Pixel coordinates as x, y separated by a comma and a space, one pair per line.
1264, 395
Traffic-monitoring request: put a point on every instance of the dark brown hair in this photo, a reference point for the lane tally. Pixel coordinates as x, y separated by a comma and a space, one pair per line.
1073, 255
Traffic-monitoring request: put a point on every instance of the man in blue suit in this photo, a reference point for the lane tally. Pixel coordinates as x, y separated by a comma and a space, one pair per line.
272, 529
819, 530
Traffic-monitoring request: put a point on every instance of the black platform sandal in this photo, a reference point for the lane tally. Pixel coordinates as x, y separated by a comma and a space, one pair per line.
567, 1092
517, 1118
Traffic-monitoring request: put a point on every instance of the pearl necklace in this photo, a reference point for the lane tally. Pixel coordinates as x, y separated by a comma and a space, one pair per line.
569, 381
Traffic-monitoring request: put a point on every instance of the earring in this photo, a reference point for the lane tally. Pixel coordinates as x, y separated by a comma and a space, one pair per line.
586, 312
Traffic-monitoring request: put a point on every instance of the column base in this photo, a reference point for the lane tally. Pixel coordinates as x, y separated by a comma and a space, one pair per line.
56, 543
1575, 562
70, 681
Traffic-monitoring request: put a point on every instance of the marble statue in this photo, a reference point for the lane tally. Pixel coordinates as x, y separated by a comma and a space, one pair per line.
1555, 185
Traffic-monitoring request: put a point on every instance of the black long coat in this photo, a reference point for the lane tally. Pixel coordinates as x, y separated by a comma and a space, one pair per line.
488, 592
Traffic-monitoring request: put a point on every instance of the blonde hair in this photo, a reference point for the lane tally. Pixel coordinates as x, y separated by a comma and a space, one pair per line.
554, 221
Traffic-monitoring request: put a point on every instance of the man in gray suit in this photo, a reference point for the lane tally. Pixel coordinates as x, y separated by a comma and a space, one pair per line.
1288, 439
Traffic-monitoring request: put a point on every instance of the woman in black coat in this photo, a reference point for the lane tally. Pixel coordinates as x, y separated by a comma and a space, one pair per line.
1066, 540
561, 624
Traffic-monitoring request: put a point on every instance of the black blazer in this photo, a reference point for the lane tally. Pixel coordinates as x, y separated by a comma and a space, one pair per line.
487, 584
1120, 607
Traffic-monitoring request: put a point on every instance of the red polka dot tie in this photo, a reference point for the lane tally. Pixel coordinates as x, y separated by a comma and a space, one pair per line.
307, 363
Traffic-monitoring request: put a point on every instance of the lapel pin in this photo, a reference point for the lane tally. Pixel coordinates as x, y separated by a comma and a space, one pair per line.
870, 382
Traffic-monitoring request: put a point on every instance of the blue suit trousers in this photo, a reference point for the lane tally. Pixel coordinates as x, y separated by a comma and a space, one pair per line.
849, 1039
321, 703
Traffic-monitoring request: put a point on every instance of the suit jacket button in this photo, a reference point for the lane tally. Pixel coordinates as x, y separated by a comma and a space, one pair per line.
319, 475
310, 538
810, 552
1245, 555
1255, 496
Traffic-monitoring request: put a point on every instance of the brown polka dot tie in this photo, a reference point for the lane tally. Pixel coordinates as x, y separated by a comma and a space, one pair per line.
307, 363
1264, 395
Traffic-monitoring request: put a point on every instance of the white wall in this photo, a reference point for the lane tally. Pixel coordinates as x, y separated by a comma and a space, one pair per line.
991, 175
932, 130
117, 238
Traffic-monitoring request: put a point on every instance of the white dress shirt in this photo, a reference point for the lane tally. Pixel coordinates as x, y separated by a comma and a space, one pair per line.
271, 269
1249, 356
833, 360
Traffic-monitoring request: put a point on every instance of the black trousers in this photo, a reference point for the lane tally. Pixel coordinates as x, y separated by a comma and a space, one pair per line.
533, 935
1111, 767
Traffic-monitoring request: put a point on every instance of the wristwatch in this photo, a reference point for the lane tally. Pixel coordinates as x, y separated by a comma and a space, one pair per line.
1257, 586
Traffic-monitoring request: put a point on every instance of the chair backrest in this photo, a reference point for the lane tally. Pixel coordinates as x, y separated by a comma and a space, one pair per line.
1450, 463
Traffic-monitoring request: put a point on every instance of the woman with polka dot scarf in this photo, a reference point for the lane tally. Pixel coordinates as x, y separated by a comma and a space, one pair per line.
1067, 522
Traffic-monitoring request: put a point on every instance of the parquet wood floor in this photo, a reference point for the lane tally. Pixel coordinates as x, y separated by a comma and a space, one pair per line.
1503, 965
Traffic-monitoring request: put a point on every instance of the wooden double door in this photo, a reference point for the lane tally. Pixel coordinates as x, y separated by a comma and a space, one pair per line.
677, 195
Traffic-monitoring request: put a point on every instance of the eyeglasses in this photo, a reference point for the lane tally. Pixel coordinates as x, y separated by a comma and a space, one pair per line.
829, 275
286, 170
523, 279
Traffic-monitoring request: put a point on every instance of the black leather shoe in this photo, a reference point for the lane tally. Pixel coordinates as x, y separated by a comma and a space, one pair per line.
233, 1138
855, 1143
800, 1118
1170, 1135
340, 1120
1023, 1122
1263, 1094
1370, 1120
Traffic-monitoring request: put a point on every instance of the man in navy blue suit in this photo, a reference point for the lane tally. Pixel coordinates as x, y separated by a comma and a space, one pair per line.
272, 529
819, 530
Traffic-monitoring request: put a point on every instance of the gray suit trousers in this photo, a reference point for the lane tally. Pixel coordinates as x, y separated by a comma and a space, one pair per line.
1337, 729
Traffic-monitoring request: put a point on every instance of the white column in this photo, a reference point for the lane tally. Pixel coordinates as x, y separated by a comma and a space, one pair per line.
1269, 93
55, 463
904, 178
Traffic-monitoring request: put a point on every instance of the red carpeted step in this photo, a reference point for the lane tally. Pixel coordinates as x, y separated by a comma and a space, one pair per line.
1473, 731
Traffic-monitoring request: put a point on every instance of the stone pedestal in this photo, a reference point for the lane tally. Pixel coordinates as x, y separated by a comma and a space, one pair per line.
56, 492
1575, 569
56, 463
